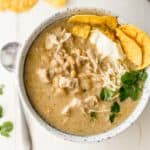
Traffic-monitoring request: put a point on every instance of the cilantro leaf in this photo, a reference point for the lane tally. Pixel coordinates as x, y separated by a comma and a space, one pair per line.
115, 108
129, 78
1, 90
112, 117
106, 94
131, 84
1, 111
6, 128
134, 92
142, 75
123, 93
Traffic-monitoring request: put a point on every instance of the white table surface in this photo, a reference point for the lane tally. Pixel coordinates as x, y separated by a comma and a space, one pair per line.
18, 27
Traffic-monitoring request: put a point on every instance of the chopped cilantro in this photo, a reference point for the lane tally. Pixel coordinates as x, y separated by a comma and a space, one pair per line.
1, 111
129, 91
115, 108
6, 128
123, 93
131, 84
112, 118
93, 115
106, 94
134, 92
129, 78
1, 89
142, 75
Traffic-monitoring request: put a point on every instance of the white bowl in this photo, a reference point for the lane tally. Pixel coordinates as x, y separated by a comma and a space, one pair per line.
26, 103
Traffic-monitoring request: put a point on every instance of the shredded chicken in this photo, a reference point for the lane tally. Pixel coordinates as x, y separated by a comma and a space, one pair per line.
74, 103
43, 75
85, 83
93, 59
65, 82
79, 56
51, 41
84, 106
100, 110
112, 75
90, 103
65, 37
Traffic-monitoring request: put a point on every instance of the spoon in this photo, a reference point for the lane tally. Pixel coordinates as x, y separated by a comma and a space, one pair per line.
8, 59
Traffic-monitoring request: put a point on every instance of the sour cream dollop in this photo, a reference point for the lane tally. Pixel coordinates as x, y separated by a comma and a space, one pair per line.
104, 45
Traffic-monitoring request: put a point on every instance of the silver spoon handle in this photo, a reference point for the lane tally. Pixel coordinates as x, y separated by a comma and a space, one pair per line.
23, 136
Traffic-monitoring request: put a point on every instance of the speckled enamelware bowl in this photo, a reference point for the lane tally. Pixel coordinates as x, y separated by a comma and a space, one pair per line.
25, 101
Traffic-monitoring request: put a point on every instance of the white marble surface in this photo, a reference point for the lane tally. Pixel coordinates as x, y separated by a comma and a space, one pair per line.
18, 27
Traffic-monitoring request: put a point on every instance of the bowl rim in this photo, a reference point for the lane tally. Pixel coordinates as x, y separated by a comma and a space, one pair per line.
25, 100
